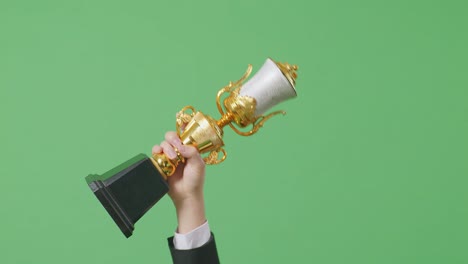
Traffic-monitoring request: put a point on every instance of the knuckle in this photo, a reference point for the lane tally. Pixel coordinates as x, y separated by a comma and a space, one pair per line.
191, 150
156, 148
163, 143
170, 135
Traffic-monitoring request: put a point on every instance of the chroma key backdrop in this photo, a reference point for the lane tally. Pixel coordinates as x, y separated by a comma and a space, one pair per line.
369, 165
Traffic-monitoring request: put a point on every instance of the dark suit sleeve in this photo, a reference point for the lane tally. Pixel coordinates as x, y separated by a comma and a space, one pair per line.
206, 254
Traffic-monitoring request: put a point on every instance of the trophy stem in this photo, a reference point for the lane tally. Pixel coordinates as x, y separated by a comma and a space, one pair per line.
225, 120
165, 165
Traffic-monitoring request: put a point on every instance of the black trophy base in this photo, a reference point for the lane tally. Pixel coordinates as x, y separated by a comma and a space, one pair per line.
129, 190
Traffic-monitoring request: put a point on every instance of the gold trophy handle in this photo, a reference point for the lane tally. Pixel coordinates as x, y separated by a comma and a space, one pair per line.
230, 87
212, 158
182, 118
257, 124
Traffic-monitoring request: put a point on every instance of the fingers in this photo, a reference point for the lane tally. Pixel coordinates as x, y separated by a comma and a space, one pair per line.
168, 149
186, 151
172, 141
156, 149
167, 146
189, 151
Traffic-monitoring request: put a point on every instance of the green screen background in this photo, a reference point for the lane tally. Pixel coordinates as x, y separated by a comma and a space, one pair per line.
368, 166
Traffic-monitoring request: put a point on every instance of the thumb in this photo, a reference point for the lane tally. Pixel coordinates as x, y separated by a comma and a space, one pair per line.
189, 151
194, 160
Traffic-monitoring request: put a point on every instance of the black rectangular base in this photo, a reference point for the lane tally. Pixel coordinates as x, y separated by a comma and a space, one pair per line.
129, 190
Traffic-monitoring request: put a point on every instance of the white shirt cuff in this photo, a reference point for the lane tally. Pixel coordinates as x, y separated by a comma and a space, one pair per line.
194, 239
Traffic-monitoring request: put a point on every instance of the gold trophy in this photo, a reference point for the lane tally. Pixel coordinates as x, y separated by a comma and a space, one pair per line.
244, 106
129, 190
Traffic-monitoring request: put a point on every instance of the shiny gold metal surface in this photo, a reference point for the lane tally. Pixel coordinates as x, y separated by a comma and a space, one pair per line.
179, 157
241, 107
205, 133
163, 164
289, 71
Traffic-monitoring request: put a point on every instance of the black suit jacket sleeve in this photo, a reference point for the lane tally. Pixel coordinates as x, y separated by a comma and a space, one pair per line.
206, 254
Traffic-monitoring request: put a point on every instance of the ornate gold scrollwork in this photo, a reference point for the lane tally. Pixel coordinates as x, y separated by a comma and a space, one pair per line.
231, 87
257, 124
213, 157
205, 133
165, 166
182, 118
240, 108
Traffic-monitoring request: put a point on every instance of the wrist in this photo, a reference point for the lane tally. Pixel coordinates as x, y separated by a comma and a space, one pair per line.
190, 213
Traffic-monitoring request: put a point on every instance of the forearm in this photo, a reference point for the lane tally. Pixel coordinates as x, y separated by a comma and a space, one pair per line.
190, 214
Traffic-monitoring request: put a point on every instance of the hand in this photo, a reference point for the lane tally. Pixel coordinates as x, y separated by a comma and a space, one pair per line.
186, 184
